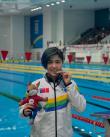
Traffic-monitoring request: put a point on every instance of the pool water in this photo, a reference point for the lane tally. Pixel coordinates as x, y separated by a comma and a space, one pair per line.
14, 83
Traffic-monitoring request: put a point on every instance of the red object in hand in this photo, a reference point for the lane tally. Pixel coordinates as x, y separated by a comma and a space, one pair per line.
32, 100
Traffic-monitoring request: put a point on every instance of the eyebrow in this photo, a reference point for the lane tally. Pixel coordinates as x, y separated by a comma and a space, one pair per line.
54, 60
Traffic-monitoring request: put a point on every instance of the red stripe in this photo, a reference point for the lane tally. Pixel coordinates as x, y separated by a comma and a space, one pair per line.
101, 98
87, 120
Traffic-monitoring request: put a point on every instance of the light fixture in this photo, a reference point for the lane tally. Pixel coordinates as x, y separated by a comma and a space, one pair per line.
37, 8
63, 1
47, 5
57, 2
52, 4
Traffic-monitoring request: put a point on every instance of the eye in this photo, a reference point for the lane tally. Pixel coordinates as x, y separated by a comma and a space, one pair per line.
58, 61
49, 62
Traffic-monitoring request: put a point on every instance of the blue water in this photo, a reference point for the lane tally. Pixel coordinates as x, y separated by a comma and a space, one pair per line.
11, 124
14, 83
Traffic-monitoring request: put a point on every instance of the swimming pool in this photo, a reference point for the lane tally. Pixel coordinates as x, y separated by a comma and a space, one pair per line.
13, 80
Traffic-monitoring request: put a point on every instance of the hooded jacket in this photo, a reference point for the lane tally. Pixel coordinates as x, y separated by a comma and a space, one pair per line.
66, 97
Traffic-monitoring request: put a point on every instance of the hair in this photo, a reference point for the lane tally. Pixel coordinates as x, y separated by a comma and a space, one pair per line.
48, 53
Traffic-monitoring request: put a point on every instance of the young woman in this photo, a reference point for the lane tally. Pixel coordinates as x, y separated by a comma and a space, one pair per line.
54, 118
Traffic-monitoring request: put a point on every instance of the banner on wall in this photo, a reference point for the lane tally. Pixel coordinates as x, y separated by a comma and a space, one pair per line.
36, 28
4, 54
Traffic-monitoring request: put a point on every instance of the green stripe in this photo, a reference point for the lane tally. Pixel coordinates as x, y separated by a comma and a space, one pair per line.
58, 104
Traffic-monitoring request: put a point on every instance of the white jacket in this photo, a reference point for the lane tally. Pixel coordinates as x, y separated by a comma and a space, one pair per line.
44, 123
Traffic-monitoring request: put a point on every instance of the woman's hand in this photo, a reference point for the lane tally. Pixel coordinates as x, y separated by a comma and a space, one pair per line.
28, 110
66, 76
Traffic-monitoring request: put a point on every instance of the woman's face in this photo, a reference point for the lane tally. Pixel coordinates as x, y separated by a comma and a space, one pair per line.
54, 65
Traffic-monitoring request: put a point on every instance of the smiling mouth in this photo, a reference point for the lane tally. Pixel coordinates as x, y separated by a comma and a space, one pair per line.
56, 71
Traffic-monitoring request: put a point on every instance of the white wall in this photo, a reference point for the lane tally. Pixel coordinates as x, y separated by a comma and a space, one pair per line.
76, 22
4, 33
47, 26
27, 42
65, 25
95, 53
58, 25
52, 25
17, 35
12, 34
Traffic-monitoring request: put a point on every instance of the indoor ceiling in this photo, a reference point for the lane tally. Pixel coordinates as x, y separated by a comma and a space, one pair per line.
27, 7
